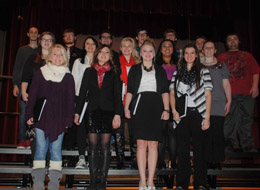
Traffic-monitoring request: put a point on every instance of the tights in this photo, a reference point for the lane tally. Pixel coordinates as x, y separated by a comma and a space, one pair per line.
168, 140
99, 142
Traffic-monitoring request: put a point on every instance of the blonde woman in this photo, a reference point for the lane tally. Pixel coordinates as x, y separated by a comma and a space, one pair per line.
128, 58
54, 82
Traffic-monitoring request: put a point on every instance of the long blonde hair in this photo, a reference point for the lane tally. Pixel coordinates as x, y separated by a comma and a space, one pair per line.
134, 53
63, 51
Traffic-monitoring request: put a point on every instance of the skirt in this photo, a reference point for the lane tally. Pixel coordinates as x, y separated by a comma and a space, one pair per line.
146, 124
99, 121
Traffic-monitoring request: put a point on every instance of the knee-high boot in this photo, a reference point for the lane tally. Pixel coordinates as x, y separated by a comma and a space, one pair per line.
38, 174
55, 175
93, 169
120, 149
105, 158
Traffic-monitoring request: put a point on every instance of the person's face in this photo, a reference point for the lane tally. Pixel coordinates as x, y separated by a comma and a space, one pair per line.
167, 49
33, 34
233, 42
90, 46
190, 55
209, 49
103, 56
142, 35
69, 38
56, 57
46, 41
199, 43
127, 48
170, 36
147, 52
106, 39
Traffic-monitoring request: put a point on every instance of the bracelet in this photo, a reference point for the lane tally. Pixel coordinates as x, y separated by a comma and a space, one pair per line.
168, 111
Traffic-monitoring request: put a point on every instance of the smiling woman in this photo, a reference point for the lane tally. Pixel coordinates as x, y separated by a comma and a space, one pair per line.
54, 82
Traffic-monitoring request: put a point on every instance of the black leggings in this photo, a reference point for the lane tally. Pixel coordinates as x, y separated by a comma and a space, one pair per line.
169, 141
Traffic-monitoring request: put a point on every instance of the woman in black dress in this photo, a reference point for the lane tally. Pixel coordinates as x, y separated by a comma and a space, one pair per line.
147, 83
102, 86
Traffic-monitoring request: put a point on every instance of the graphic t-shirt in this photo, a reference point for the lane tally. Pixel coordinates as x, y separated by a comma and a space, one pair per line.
242, 66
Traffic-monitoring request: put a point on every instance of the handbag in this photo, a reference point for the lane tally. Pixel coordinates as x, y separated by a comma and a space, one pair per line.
29, 133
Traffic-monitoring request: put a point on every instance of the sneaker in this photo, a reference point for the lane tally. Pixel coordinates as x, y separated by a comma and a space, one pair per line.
21, 145
81, 163
28, 145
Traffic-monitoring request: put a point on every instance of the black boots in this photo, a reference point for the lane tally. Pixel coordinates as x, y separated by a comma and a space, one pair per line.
105, 158
133, 148
93, 168
120, 149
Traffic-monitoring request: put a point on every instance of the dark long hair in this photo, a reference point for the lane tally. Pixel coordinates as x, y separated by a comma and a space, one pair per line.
110, 61
159, 55
196, 64
84, 52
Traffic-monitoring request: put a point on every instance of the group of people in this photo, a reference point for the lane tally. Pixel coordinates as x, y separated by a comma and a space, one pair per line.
169, 97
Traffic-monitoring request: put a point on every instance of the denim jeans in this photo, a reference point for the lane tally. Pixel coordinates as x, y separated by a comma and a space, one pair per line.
22, 122
43, 144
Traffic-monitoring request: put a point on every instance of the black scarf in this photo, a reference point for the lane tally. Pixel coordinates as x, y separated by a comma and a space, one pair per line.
187, 77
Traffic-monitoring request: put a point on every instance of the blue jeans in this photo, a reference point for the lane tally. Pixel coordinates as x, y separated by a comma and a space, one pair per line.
22, 122
43, 144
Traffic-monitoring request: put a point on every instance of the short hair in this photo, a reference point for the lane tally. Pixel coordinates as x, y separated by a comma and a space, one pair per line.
139, 30
63, 51
105, 31
231, 34
69, 30
169, 31
201, 36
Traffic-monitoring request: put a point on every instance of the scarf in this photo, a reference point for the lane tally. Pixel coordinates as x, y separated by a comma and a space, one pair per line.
101, 71
54, 73
187, 77
123, 76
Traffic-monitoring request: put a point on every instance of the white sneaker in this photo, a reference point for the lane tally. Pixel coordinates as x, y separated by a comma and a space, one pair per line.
81, 163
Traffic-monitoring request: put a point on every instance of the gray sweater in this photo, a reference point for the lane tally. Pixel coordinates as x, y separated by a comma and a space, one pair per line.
22, 54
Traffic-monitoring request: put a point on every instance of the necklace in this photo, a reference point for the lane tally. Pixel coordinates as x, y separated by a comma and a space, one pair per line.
148, 69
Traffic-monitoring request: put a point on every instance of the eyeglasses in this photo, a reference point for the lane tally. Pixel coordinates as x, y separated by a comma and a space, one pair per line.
46, 40
142, 34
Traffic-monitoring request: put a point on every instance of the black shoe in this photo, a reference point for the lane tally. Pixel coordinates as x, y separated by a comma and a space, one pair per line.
179, 188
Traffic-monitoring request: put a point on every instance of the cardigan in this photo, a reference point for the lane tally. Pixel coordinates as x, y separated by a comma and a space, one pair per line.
135, 76
197, 95
107, 98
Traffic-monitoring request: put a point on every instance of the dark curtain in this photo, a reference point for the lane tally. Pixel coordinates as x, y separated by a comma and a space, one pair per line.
211, 18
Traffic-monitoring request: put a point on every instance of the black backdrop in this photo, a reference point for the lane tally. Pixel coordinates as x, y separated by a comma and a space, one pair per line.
211, 18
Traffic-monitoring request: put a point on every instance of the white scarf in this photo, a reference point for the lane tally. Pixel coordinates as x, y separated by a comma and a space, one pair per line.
54, 73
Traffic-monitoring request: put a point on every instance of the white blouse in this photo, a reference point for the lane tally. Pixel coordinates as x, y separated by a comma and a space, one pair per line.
78, 70
148, 82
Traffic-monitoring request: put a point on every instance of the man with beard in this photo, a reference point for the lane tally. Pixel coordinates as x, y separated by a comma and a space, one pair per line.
69, 39
244, 80
22, 54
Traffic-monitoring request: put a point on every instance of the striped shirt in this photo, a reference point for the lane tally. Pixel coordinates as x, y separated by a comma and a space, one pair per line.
197, 95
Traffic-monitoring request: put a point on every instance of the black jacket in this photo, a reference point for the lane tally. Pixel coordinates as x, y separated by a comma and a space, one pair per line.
135, 76
107, 98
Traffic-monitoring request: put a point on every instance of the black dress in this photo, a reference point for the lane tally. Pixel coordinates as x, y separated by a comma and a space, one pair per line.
146, 124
